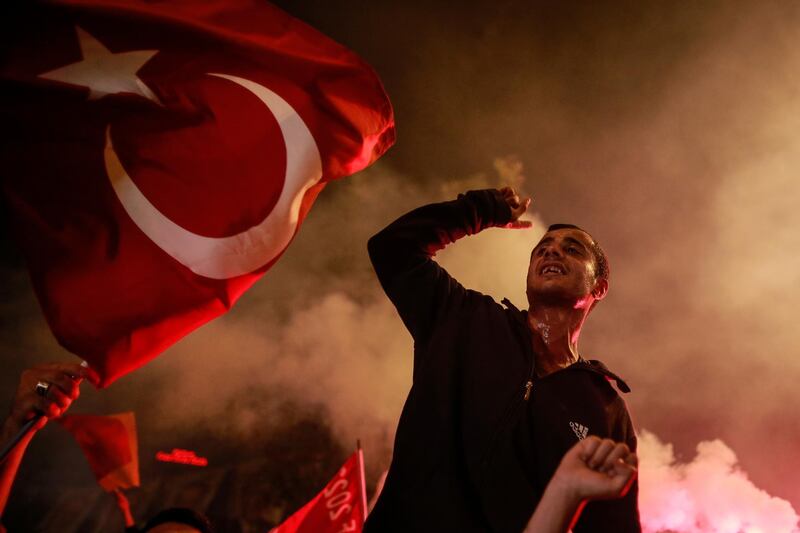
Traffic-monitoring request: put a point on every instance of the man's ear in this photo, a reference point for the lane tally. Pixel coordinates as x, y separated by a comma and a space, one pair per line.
600, 289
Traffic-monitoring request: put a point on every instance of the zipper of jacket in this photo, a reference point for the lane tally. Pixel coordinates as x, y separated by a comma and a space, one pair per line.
531, 368
516, 402
526, 343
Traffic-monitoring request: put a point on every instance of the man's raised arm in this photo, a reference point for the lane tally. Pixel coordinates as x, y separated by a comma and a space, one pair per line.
402, 253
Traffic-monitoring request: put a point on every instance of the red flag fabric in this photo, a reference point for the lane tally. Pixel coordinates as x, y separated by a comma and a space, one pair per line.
159, 156
110, 445
341, 507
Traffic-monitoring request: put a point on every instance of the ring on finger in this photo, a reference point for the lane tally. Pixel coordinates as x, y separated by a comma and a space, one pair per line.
42, 387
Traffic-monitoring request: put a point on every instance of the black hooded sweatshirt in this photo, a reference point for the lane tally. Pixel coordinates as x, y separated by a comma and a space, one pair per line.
479, 435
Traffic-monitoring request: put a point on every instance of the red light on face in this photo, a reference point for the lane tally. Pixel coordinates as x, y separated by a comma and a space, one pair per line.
185, 457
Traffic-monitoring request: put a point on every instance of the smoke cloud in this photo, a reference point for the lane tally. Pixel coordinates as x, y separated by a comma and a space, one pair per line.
709, 494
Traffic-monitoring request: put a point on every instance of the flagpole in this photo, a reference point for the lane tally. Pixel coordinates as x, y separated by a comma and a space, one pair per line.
13, 441
363, 480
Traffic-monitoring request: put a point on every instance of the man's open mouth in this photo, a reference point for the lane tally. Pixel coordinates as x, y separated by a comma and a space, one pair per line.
552, 268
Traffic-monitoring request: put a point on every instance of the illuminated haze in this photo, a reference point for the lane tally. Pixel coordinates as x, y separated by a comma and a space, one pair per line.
672, 133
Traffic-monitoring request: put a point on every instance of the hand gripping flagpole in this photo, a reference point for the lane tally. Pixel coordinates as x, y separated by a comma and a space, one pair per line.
13, 441
26, 427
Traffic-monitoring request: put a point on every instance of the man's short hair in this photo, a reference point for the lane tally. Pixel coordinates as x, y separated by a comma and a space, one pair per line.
603, 270
180, 515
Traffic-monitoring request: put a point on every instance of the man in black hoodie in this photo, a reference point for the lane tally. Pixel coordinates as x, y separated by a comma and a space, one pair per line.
498, 394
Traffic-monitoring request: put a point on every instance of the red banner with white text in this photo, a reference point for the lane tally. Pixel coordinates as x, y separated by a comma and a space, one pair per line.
341, 507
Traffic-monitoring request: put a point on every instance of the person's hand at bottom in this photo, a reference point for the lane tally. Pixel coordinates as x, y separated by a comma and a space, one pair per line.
596, 468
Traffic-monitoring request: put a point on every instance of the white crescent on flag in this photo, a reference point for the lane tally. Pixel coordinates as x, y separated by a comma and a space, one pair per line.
104, 73
228, 257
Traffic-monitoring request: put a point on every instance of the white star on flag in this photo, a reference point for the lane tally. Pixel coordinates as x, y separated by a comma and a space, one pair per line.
104, 72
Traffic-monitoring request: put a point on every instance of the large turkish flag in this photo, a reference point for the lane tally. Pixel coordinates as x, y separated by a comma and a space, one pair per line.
158, 157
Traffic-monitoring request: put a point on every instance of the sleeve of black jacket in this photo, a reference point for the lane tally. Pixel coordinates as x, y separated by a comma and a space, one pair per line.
402, 255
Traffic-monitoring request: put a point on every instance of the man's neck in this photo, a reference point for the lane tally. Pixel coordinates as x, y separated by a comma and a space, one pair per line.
555, 331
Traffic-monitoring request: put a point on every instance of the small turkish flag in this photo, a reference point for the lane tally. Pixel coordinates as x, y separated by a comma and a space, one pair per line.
110, 445
158, 157
340, 507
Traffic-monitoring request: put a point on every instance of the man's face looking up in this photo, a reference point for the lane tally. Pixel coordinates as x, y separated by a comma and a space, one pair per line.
563, 269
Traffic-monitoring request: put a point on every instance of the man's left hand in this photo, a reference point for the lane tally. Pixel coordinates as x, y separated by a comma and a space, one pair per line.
48, 389
518, 207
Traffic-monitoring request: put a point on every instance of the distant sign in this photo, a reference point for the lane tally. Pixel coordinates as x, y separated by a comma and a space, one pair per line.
184, 457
